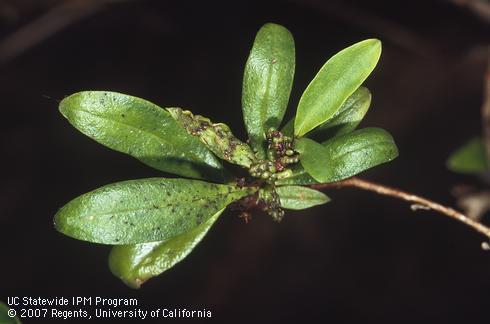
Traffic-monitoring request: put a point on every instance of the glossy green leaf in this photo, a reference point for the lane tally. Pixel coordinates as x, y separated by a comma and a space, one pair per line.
216, 136
344, 121
267, 83
345, 156
135, 264
470, 158
5, 318
146, 210
297, 197
141, 129
335, 82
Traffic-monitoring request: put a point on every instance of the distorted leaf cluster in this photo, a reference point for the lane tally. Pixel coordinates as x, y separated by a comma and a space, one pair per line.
154, 223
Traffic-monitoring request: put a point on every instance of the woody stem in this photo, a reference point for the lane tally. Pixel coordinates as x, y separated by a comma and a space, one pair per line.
416, 200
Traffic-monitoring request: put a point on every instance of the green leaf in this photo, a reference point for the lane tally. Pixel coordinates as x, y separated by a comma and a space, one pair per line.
267, 83
334, 83
296, 197
299, 177
345, 156
470, 158
217, 137
146, 210
4, 315
344, 121
141, 129
135, 264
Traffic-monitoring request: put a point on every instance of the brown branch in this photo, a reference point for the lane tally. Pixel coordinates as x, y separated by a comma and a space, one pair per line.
416, 200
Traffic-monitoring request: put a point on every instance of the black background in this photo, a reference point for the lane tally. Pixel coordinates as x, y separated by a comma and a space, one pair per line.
362, 258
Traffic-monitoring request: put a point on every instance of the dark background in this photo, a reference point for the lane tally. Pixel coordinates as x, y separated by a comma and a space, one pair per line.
362, 258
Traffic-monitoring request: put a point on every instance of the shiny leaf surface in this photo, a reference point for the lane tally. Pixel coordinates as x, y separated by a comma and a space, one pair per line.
344, 121
267, 82
146, 210
141, 129
345, 156
335, 82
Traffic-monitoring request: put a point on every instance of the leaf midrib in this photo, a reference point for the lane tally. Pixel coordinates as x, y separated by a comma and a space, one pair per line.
144, 131
264, 112
124, 211
361, 148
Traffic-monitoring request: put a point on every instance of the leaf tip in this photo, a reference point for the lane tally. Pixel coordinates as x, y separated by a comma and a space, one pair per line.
273, 26
59, 221
376, 46
64, 106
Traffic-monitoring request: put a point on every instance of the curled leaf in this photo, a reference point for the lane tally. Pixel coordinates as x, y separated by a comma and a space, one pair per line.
146, 210
341, 75
217, 137
267, 83
141, 129
135, 264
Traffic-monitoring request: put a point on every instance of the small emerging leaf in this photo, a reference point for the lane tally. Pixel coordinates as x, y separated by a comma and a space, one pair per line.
5, 318
296, 197
470, 158
299, 177
344, 156
217, 137
135, 264
267, 83
146, 210
344, 121
334, 83
141, 129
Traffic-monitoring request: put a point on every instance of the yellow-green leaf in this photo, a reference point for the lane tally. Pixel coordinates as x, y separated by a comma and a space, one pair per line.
335, 82
344, 121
